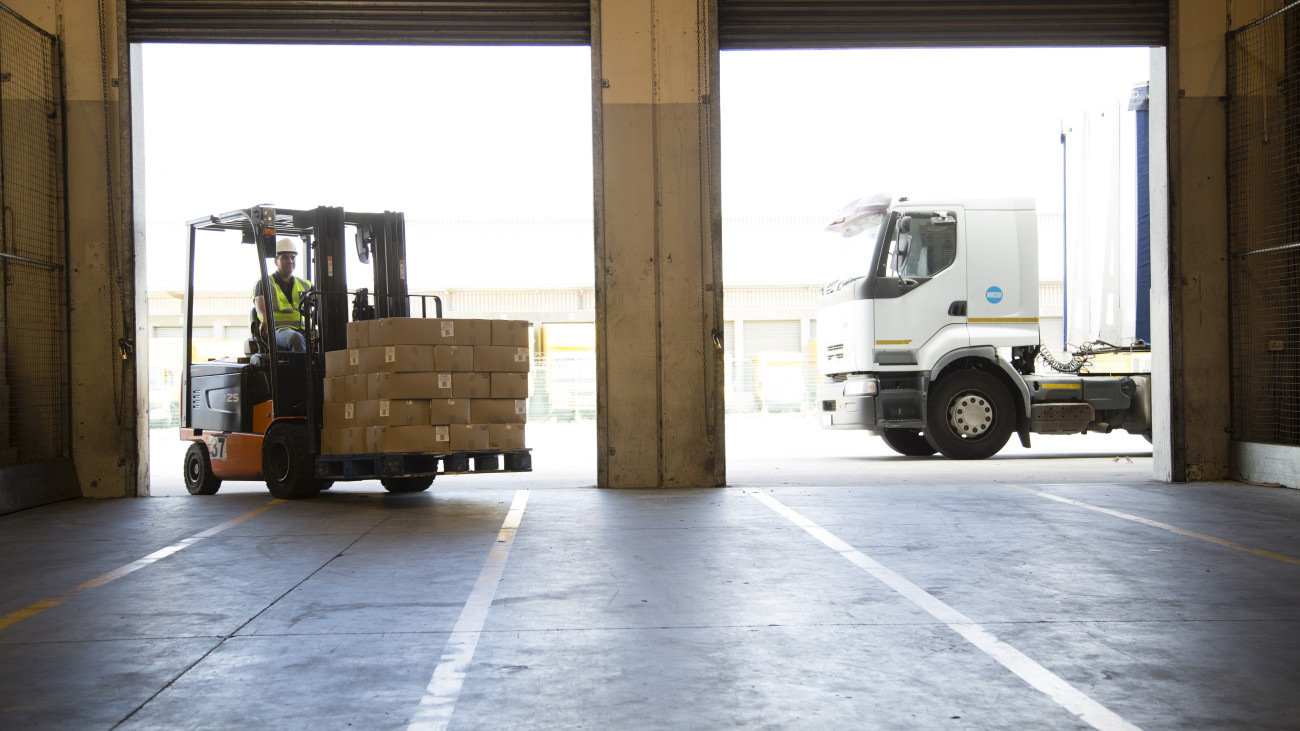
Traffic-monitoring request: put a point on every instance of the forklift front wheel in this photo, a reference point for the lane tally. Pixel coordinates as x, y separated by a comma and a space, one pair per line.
287, 462
199, 479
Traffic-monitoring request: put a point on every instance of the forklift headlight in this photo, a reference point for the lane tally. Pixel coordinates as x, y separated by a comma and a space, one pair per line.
864, 387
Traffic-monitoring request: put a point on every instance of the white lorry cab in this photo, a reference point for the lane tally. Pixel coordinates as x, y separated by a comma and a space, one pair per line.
934, 345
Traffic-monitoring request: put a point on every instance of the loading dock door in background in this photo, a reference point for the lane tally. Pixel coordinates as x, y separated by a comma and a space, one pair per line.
742, 24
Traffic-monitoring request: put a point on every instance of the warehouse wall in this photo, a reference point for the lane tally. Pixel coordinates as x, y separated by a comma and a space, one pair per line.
102, 276
1192, 443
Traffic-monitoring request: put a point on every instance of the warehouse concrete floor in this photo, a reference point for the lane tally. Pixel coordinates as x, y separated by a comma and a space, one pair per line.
982, 596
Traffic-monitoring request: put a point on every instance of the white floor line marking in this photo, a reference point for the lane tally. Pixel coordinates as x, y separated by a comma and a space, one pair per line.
439, 700
54, 601
1162, 526
1042, 679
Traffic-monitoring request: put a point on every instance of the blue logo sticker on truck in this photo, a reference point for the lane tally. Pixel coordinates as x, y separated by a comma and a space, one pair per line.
993, 294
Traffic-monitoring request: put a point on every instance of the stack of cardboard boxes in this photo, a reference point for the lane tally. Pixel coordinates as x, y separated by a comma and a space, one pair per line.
409, 384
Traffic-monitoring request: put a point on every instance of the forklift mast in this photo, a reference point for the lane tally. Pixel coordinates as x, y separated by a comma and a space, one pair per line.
295, 380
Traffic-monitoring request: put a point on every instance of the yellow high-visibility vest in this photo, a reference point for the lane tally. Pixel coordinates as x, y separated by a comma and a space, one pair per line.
286, 308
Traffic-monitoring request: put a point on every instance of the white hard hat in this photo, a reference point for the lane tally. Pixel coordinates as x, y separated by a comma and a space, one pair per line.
285, 246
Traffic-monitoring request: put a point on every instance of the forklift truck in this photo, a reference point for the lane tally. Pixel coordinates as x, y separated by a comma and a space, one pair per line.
258, 417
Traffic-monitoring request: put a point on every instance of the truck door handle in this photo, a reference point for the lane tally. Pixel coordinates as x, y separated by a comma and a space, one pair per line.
957, 309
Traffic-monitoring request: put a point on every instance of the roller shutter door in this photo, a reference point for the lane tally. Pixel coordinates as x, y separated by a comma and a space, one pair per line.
425, 22
750, 24
741, 23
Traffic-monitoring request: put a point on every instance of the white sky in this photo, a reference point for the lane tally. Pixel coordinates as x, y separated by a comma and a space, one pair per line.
474, 133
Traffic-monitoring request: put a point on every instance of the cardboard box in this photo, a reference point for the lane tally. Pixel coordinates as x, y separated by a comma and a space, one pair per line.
468, 436
500, 359
340, 363
393, 412
449, 411
331, 441
351, 440
509, 385
358, 334
473, 332
409, 385
505, 436
412, 331
471, 385
498, 411
334, 389
510, 332
354, 388
339, 415
453, 358
396, 359
401, 439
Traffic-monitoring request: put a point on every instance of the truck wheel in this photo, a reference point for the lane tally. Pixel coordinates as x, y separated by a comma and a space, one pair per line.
407, 484
970, 415
199, 479
287, 462
908, 442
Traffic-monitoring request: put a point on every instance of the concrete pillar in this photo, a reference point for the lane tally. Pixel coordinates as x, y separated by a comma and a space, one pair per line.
1197, 316
658, 244
102, 276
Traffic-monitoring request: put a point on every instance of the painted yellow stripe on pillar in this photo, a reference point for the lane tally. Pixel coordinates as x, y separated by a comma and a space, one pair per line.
15, 617
1002, 319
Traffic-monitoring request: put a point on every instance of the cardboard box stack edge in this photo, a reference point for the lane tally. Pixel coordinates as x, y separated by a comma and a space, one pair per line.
409, 384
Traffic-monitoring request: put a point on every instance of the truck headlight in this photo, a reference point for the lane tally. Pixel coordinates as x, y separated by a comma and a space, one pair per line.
864, 387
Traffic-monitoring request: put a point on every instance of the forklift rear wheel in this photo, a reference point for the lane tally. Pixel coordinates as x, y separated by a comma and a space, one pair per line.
908, 442
407, 484
199, 479
970, 415
287, 462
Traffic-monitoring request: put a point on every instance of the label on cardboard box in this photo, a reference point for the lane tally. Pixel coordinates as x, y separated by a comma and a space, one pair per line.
338, 415
449, 411
339, 363
509, 385
442, 436
500, 359
498, 411
471, 385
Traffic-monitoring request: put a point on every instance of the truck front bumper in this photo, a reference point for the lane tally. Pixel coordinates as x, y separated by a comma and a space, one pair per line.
848, 404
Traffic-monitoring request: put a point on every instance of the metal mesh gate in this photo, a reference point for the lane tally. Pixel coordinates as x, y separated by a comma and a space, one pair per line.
34, 421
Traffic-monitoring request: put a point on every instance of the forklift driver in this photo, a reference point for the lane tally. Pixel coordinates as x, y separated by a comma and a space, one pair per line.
288, 321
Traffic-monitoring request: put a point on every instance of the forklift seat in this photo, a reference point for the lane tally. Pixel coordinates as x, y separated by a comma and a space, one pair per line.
255, 343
